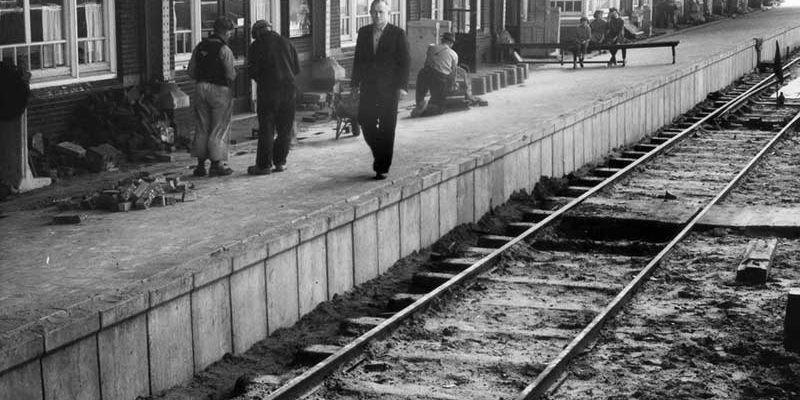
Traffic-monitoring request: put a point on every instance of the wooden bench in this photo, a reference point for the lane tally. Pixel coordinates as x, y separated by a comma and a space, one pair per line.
573, 48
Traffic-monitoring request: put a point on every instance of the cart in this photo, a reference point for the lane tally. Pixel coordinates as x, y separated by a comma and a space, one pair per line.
345, 110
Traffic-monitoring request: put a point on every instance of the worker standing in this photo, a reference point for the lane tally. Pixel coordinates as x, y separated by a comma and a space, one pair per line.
211, 66
273, 63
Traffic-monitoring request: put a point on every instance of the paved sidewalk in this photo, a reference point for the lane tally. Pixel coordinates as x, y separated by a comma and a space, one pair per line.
45, 268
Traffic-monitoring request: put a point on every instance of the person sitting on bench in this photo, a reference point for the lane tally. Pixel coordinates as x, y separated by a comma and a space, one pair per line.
598, 27
437, 75
615, 33
583, 35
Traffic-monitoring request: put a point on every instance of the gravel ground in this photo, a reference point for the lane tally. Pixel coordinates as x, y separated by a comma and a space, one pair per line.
693, 333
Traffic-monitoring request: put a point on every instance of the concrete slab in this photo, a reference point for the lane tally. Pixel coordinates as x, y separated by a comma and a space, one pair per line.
569, 149
124, 369
170, 343
23, 382
340, 266
483, 191
497, 179
72, 372
248, 306
283, 307
365, 248
409, 225
448, 205
211, 323
466, 196
429, 215
535, 162
523, 168
388, 237
547, 157
312, 273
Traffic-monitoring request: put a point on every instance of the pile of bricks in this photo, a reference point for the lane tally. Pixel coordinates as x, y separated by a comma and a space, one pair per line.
139, 192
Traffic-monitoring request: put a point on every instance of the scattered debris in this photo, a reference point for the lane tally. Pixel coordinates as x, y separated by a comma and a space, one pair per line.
139, 192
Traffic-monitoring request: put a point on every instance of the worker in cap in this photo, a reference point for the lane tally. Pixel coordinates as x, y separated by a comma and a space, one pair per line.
438, 75
211, 66
260, 27
273, 64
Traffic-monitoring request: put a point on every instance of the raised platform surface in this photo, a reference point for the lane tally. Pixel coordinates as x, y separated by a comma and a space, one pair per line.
136, 260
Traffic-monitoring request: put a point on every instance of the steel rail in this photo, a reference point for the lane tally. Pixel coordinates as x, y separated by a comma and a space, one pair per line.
728, 107
553, 370
307, 381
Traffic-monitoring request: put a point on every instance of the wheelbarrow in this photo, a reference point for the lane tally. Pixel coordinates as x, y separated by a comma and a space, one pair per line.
345, 110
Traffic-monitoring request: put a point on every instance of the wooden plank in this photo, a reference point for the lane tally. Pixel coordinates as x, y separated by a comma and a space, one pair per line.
754, 268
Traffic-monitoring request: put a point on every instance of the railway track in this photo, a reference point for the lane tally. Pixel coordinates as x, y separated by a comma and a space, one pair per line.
503, 319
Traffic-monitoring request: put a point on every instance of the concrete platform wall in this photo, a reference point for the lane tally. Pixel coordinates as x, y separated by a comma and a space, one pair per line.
157, 339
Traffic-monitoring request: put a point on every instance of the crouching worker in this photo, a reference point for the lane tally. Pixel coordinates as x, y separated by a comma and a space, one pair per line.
212, 67
438, 75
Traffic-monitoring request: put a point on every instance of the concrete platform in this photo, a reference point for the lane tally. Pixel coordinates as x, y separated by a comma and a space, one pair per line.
129, 304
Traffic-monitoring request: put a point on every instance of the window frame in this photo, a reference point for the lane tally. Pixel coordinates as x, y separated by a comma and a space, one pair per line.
396, 18
73, 71
181, 60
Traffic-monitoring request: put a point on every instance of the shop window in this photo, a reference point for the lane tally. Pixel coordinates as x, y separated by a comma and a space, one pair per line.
193, 20
35, 35
354, 14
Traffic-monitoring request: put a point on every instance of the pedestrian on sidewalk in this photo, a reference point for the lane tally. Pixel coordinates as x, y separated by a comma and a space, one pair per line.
380, 76
438, 75
272, 63
583, 36
211, 66
615, 33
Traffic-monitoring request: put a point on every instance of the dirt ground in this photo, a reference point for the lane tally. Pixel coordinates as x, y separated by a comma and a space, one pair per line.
273, 359
693, 333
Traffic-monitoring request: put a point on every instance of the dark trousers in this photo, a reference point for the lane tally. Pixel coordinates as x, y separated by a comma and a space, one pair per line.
377, 115
276, 109
435, 81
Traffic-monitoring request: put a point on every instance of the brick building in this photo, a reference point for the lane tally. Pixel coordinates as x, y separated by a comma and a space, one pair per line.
76, 47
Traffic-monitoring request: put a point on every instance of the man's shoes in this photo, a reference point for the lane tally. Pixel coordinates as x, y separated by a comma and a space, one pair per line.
279, 168
256, 170
219, 170
199, 170
379, 176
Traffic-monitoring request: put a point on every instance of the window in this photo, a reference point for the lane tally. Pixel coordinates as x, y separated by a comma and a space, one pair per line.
460, 12
59, 39
354, 14
436, 9
568, 6
192, 20
299, 18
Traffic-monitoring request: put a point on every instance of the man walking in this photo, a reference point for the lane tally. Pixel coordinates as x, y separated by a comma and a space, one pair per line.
211, 66
438, 75
273, 65
380, 74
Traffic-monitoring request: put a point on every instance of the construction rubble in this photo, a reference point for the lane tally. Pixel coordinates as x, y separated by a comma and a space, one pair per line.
138, 192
